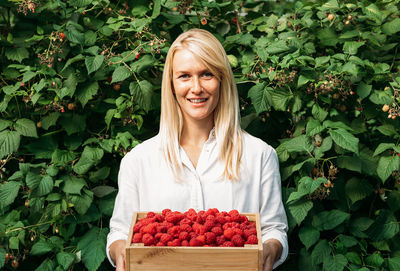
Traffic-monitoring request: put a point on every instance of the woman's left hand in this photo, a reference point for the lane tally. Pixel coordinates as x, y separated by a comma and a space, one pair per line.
272, 251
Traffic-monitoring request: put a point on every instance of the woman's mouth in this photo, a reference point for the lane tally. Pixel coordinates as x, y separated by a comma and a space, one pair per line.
197, 100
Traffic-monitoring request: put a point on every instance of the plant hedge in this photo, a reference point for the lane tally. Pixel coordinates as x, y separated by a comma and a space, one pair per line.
80, 86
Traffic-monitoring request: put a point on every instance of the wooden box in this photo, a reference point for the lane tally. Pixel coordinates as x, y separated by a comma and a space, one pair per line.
153, 258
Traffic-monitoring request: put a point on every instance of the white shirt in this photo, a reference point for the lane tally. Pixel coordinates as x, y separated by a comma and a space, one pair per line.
146, 184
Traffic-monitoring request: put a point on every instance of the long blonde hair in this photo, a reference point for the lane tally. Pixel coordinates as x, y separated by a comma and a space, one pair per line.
226, 115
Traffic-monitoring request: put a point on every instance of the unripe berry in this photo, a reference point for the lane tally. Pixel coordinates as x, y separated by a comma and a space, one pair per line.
385, 108
331, 17
204, 21
39, 124
117, 87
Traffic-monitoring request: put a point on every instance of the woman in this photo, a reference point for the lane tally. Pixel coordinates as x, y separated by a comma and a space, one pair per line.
201, 158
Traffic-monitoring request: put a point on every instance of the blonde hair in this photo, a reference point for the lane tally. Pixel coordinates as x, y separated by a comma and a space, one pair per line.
228, 133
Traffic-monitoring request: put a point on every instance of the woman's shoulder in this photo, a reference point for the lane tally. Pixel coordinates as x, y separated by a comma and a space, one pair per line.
254, 144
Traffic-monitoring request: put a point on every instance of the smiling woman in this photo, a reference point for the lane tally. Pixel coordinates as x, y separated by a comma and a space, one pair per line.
201, 158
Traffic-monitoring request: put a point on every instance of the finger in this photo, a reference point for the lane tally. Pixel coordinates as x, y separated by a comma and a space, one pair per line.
120, 264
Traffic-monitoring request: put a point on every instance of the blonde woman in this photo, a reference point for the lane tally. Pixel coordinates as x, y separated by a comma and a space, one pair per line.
201, 158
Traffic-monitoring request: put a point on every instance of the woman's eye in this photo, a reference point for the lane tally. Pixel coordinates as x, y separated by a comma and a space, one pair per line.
208, 74
184, 76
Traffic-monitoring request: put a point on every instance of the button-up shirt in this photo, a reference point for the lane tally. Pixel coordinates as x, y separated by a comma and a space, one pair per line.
146, 183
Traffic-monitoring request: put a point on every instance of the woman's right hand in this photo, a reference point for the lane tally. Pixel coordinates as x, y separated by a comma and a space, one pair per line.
117, 254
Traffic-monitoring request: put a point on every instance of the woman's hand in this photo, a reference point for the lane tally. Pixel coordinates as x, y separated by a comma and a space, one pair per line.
272, 251
117, 254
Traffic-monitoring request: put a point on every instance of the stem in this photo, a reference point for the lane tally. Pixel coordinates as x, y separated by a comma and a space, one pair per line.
27, 227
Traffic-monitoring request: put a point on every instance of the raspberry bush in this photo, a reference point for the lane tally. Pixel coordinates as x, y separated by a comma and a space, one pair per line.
80, 86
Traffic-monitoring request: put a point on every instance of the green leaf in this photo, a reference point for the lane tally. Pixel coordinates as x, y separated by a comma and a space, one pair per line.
385, 226
302, 81
347, 241
328, 220
41, 247
351, 47
357, 189
383, 147
394, 263
233, 61
144, 63
82, 202
359, 225
45, 186
298, 144
73, 124
300, 209
65, 259
26, 127
388, 130
17, 54
319, 113
374, 13
86, 93
327, 37
13, 242
375, 260
28, 76
120, 73
70, 86
98, 175
363, 90
386, 165
8, 193
280, 99
326, 146
392, 27
73, 185
2, 257
73, 60
62, 156
156, 9
344, 139
313, 127
74, 36
50, 120
142, 93
335, 263
353, 257
103, 190
93, 247
46, 265
9, 142
90, 156
277, 47
319, 61
350, 163
33, 179
306, 186
5, 124
93, 63
260, 97
320, 252
308, 236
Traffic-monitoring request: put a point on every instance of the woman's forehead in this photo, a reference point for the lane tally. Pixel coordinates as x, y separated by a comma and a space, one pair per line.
185, 60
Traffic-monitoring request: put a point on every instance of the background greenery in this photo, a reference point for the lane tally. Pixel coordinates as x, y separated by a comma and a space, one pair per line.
80, 86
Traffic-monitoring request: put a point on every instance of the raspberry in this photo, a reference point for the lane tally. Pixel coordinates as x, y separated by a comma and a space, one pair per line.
184, 236
252, 240
243, 226
209, 225
165, 238
201, 239
174, 217
198, 228
219, 240
233, 212
244, 219
248, 232
137, 238
229, 233
186, 227
227, 244
237, 240
195, 243
210, 238
217, 230
158, 236
150, 215
159, 218
151, 228
160, 244
162, 228
185, 243
165, 212
220, 219
174, 243
210, 218
137, 227
186, 221
174, 231
238, 231
148, 239
192, 235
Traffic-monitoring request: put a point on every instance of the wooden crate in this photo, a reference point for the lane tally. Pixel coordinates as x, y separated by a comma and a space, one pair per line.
152, 258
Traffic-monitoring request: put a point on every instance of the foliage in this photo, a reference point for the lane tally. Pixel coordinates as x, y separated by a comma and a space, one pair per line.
80, 86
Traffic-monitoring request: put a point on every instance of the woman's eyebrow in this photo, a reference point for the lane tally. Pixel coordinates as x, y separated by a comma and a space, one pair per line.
187, 71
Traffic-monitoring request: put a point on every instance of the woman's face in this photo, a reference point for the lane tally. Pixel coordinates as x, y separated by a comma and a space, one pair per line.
195, 87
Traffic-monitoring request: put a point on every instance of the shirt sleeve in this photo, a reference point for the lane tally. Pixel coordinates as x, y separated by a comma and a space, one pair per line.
273, 218
126, 202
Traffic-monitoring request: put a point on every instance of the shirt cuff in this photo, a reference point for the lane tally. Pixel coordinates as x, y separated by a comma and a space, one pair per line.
281, 237
111, 238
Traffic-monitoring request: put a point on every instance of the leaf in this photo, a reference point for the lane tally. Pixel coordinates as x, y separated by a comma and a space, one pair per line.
17, 54
82, 202
86, 93
335, 263
120, 73
103, 190
8, 193
392, 27
298, 144
327, 37
142, 93
144, 63
62, 156
156, 9
46, 265
93, 63
344, 139
385, 226
300, 209
73, 124
387, 129
280, 99
363, 90
260, 97
348, 241
70, 86
26, 127
386, 165
45, 186
65, 259
5, 124
50, 120
328, 220
306, 186
319, 61
308, 236
383, 147
351, 47
302, 80
314, 127
73, 185
374, 13
9, 142
320, 252
90, 156
357, 189
350, 163
41, 247
375, 260
73, 60
93, 247
2, 257
394, 263
319, 113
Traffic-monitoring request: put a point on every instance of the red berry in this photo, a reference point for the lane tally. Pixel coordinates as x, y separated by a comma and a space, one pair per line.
217, 230
137, 56
210, 238
219, 240
22, 84
185, 243
62, 35
184, 235
83, 13
238, 240
174, 243
174, 231
252, 240
137, 238
165, 238
229, 233
148, 239
201, 239
227, 244
195, 243
165, 212
160, 244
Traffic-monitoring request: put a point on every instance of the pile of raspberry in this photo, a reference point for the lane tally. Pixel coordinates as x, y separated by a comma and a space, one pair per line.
196, 229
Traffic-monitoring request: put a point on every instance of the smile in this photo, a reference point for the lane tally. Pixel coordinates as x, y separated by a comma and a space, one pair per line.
197, 100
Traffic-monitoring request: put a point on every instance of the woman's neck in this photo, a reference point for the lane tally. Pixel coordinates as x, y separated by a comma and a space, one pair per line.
195, 133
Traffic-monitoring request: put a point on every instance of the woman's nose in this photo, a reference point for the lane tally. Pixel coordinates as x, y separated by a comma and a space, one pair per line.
196, 85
